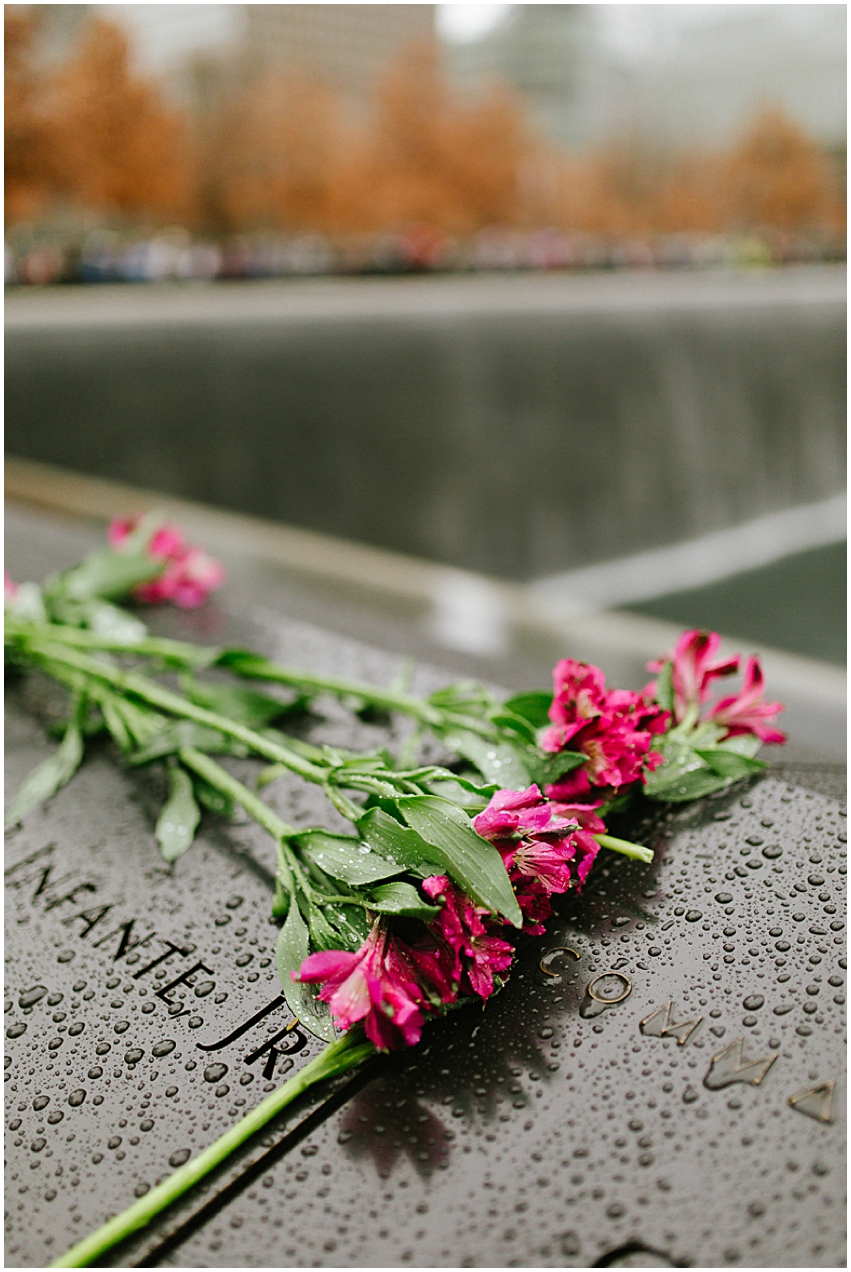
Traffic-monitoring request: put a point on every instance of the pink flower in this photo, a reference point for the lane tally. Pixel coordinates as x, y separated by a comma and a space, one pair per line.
746, 712
612, 727
189, 575
479, 953
187, 580
694, 669
364, 986
545, 847
10, 588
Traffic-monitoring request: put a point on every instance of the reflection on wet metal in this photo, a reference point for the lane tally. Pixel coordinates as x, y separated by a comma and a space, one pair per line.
731, 1065
659, 1024
816, 1102
635, 1255
549, 957
609, 999
594, 1003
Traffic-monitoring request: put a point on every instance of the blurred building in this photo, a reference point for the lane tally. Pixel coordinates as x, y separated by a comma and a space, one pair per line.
677, 75
195, 47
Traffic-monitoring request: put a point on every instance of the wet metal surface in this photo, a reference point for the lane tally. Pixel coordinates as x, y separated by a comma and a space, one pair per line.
525, 1135
662, 1078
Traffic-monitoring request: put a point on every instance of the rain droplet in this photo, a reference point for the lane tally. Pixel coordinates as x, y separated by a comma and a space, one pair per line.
179, 1158
76, 1098
215, 1072
163, 1048
15, 1031
753, 1002
31, 996
133, 1056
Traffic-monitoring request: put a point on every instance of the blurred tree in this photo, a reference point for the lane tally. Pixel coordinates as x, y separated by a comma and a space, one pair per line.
432, 157
278, 154
778, 177
29, 132
121, 149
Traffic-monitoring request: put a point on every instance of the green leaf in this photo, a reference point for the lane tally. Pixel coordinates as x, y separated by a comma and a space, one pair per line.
507, 721
728, 764
113, 623
398, 844
534, 707
742, 744
467, 697
179, 733
214, 800
693, 785
665, 687
45, 780
179, 818
28, 603
322, 935
243, 705
549, 768
105, 573
470, 861
679, 759
131, 724
345, 857
506, 763
291, 949
350, 923
401, 898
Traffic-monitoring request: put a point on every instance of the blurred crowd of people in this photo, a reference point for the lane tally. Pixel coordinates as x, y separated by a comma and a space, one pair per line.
106, 256
279, 178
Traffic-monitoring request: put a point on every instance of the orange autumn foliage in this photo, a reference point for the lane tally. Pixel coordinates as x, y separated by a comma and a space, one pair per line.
122, 149
290, 159
289, 153
279, 151
431, 156
30, 134
777, 178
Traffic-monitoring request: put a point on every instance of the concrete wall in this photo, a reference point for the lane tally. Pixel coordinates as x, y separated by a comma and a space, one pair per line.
513, 426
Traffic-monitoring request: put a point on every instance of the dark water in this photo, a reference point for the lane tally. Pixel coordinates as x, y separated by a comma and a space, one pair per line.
797, 604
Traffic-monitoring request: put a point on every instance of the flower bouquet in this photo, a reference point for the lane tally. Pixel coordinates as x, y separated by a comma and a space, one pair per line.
419, 909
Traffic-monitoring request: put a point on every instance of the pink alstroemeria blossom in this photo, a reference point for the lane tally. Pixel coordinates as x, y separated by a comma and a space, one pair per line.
614, 728
364, 986
694, 667
10, 588
189, 575
746, 712
544, 850
461, 924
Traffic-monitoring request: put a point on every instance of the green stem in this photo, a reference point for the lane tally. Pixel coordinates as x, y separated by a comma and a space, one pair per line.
156, 695
176, 652
219, 777
280, 831
337, 1058
636, 851
257, 668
